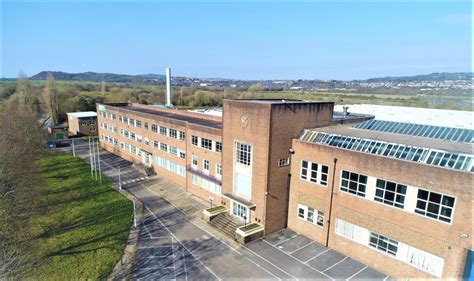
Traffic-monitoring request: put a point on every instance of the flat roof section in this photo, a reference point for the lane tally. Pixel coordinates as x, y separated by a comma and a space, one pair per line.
83, 114
277, 101
170, 115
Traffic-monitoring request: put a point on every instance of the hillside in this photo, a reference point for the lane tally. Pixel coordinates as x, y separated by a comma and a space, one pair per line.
100, 77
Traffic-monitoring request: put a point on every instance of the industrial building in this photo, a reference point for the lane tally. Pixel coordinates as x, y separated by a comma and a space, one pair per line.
394, 195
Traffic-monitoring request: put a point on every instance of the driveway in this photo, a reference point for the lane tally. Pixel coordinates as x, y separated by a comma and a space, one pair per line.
172, 247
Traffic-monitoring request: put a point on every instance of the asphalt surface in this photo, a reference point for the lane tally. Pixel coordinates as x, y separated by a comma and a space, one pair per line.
172, 247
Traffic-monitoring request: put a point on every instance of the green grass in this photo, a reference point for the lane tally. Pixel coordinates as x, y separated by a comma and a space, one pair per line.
84, 232
93, 138
216, 209
250, 227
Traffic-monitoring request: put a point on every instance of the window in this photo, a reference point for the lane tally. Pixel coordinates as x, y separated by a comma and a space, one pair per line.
206, 143
173, 150
138, 124
194, 160
164, 147
304, 170
324, 174
434, 205
301, 212
163, 131
383, 244
390, 193
284, 162
206, 165
353, 183
243, 153
145, 126
131, 122
181, 135
194, 140
314, 172
218, 170
218, 146
154, 128
311, 215
182, 155
173, 133
156, 144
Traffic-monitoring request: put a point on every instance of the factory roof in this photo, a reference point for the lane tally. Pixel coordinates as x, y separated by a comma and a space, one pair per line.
437, 152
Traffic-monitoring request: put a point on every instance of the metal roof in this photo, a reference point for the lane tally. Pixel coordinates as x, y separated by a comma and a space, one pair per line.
419, 130
433, 152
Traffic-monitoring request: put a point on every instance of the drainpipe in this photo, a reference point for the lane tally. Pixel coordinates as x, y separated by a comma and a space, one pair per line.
330, 202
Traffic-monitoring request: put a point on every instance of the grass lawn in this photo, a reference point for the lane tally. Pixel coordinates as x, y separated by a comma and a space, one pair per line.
84, 231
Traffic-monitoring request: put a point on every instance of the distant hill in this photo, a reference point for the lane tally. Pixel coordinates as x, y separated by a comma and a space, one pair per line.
442, 76
100, 77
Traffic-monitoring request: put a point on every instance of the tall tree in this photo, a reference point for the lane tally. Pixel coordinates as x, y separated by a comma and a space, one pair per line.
23, 88
52, 98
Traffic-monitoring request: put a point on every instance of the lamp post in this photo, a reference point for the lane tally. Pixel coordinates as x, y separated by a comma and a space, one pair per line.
119, 179
134, 212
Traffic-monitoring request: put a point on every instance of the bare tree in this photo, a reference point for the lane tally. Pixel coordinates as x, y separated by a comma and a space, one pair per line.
20, 144
52, 98
23, 88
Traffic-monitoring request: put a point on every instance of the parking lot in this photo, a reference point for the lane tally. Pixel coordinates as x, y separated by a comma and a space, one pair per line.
161, 256
300, 257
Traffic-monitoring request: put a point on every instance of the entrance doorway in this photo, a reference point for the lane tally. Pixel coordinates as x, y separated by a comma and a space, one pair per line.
146, 158
240, 211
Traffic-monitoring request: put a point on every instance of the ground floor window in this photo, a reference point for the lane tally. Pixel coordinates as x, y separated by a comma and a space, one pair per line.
311, 215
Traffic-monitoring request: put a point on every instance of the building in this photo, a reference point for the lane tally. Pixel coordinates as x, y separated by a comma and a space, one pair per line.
82, 123
393, 195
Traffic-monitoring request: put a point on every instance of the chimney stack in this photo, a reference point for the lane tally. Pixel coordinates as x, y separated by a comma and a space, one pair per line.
168, 87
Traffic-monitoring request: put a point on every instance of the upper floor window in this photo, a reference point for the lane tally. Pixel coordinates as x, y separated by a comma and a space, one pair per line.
173, 133
154, 128
283, 162
194, 140
163, 131
314, 172
164, 147
206, 165
182, 135
434, 205
194, 160
243, 153
353, 183
219, 170
145, 126
390, 193
138, 123
206, 143
218, 146
182, 155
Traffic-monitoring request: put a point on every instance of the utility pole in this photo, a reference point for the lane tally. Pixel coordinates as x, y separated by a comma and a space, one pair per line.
90, 158
120, 179
134, 212
98, 158
73, 150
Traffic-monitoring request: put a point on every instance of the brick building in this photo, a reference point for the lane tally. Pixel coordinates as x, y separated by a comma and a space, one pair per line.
395, 200
82, 123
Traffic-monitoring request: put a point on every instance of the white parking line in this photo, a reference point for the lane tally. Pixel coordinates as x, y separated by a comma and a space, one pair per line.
150, 247
274, 265
357, 272
335, 264
317, 255
196, 258
301, 247
299, 260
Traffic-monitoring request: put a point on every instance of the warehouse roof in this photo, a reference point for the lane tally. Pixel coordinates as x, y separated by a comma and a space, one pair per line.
83, 114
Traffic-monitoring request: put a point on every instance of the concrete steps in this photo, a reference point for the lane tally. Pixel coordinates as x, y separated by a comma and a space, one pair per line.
225, 223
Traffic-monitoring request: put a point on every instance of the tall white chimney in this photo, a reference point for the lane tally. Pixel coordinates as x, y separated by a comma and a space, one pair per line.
168, 87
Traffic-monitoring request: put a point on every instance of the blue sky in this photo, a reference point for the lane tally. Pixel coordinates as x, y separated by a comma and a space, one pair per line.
322, 40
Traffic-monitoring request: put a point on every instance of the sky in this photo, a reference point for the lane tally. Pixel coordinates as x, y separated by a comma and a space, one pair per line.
317, 40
